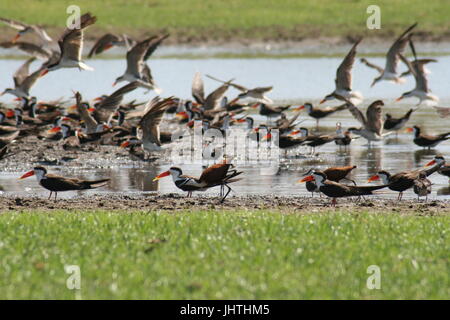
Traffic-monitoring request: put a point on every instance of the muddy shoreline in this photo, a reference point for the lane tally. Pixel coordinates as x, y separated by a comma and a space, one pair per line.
176, 202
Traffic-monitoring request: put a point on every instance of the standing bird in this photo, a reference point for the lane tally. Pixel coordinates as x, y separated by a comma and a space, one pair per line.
422, 186
342, 138
336, 190
24, 28
389, 72
56, 184
427, 141
213, 176
335, 174
319, 113
343, 80
404, 180
71, 46
372, 123
395, 124
444, 169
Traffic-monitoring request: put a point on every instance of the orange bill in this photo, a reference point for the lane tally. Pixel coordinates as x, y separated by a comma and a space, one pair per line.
374, 178
432, 162
306, 179
125, 144
28, 174
162, 175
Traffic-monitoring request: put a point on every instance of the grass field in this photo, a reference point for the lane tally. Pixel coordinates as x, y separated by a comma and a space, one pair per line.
220, 255
234, 19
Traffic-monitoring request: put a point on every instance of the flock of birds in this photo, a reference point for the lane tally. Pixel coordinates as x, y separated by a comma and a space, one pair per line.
136, 126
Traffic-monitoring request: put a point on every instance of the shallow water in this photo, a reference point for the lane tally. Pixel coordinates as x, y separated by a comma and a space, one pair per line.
295, 80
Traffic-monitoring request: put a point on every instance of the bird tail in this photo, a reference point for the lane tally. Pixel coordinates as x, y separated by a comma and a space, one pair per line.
84, 66
364, 190
96, 183
230, 176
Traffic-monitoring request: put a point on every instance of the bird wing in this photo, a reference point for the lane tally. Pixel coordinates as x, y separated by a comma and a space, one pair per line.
15, 24
147, 74
154, 44
215, 173
357, 114
41, 33
90, 122
344, 72
152, 118
261, 89
102, 44
135, 56
213, 99
198, 90
28, 48
371, 65
30, 80
110, 104
71, 41
234, 85
374, 117
397, 48
22, 73
62, 183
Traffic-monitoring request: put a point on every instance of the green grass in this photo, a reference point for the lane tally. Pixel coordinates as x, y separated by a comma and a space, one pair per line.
255, 19
221, 255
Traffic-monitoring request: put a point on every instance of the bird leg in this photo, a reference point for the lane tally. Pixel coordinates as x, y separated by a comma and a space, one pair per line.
333, 202
229, 190
50, 195
56, 193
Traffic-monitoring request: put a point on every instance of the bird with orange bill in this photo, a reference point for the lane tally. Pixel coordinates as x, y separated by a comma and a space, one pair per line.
402, 181
56, 184
337, 190
24, 28
443, 169
71, 46
426, 140
319, 113
335, 174
216, 175
23, 80
343, 81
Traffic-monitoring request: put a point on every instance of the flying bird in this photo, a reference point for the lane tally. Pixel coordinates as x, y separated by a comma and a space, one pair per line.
343, 80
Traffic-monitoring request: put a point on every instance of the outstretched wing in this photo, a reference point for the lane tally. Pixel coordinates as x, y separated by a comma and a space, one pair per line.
357, 114
213, 99
102, 44
154, 44
109, 105
198, 90
371, 65
152, 119
344, 72
374, 116
28, 48
15, 24
396, 49
71, 42
22, 73
135, 57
